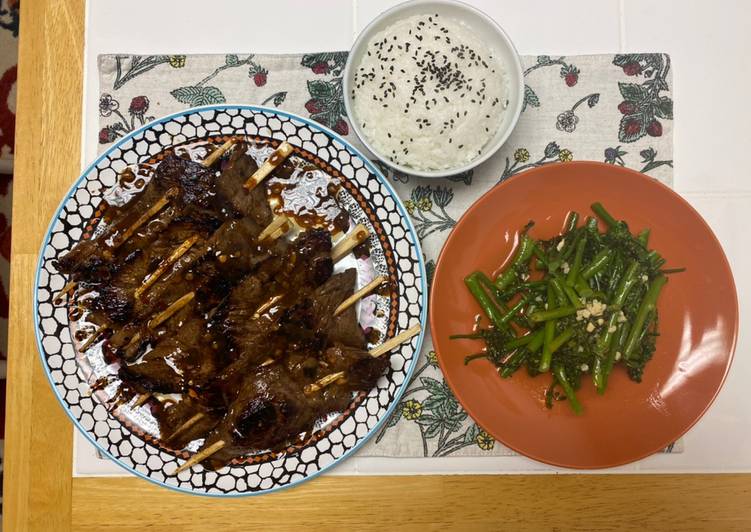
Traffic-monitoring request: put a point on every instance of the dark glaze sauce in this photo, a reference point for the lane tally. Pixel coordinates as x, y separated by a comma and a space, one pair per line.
308, 195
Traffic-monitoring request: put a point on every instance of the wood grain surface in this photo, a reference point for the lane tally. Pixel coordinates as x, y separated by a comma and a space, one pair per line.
39, 493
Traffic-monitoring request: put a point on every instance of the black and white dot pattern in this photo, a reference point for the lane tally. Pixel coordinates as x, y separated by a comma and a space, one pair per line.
131, 437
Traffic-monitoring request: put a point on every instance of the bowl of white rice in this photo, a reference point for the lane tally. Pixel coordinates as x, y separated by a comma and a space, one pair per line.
433, 88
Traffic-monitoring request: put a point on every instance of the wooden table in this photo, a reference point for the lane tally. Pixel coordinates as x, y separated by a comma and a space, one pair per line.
40, 493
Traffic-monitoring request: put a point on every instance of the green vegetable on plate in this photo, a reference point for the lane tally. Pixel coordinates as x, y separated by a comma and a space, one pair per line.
575, 306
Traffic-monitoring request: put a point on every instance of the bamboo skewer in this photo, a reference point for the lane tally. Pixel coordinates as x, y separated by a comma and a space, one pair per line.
277, 223
185, 426
141, 399
217, 153
391, 343
145, 217
69, 287
171, 310
150, 279
266, 306
200, 456
91, 339
362, 292
351, 240
324, 381
275, 159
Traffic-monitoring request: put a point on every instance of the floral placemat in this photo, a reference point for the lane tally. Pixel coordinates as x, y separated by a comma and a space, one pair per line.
612, 108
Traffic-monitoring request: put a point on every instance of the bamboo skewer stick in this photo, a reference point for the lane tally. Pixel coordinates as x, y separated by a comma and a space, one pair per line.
200, 456
266, 306
362, 292
277, 223
69, 287
150, 279
171, 310
351, 240
391, 343
275, 159
323, 382
141, 399
217, 153
145, 217
92, 339
185, 426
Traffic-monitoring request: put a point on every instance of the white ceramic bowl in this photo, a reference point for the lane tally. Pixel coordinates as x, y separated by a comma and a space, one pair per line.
488, 30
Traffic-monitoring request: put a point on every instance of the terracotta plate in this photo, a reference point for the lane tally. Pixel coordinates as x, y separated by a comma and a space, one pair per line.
698, 320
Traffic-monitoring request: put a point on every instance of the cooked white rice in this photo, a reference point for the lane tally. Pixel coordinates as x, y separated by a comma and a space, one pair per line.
428, 93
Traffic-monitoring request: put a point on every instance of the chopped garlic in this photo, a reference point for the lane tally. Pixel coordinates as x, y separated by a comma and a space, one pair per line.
621, 317
584, 367
590, 327
582, 314
612, 329
596, 307
600, 321
561, 244
565, 267
618, 355
644, 278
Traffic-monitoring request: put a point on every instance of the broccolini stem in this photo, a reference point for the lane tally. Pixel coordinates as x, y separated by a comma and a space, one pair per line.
573, 271
560, 375
487, 304
598, 264
645, 309
547, 353
604, 215
521, 340
523, 254
552, 314
561, 339
571, 221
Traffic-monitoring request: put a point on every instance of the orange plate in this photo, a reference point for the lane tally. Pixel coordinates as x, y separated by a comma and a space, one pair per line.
698, 312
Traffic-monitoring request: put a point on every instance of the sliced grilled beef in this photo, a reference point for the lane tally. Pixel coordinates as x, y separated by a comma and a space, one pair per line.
254, 203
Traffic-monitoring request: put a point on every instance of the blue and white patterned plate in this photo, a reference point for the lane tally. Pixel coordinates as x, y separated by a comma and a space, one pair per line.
130, 436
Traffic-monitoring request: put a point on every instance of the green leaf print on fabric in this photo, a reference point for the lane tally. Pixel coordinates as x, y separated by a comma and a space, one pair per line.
196, 95
140, 64
326, 104
530, 98
325, 63
643, 106
427, 207
552, 153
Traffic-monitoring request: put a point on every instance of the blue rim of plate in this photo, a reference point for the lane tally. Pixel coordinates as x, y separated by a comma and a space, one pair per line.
367, 163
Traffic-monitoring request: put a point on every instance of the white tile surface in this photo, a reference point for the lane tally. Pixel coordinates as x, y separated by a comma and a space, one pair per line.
709, 44
538, 26
708, 41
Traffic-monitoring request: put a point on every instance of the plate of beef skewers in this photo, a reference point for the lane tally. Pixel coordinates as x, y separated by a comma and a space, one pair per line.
230, 300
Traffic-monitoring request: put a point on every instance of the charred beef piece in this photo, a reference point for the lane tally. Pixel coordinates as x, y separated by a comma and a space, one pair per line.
195, 181
234, 248
172, 416
254, 203
270, 409
253, 336
114, 301
179, 361
362, 370
343, 328
91, 255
